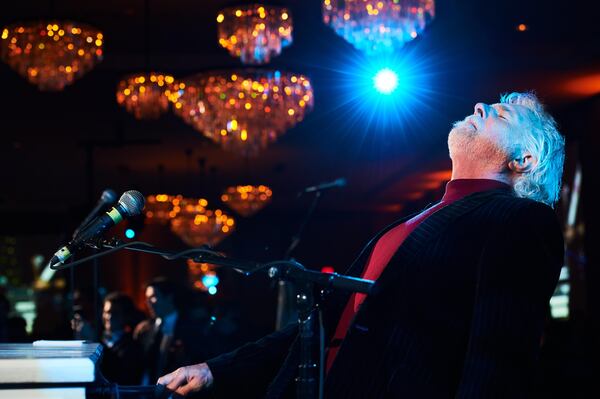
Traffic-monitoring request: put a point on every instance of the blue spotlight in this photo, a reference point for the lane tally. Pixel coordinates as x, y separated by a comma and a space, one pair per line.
385, 81
382, 98
210, 280
130, 233
212, 290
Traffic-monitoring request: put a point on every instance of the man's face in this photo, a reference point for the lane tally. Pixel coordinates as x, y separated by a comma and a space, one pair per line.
160, 305
491, 134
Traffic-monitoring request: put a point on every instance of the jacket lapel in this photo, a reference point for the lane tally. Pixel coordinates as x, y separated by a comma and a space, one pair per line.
426, 232
359, 263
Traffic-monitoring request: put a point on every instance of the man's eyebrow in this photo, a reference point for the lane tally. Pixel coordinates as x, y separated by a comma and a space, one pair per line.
506, 110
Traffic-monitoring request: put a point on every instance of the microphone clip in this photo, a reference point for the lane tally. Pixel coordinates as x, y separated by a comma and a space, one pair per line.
101, 242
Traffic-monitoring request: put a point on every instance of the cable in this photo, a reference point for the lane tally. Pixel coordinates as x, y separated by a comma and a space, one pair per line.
193, 251
175, 256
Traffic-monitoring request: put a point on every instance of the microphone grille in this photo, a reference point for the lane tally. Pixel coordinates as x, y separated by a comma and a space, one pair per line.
132, 202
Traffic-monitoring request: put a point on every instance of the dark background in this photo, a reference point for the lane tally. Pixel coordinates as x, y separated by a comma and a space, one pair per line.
59, 150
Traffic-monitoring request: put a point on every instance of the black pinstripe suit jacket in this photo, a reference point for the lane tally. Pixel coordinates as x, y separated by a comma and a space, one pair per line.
457, 313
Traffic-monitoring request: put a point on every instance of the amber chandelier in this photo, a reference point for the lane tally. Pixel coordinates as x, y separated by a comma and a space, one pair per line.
145, 95
377, 26
51, 55
161, 208
247, 200
244, 111
197, 226
256, 32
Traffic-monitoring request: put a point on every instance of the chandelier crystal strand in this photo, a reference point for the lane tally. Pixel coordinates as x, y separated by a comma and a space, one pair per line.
247, 200
255, 33
146, 95
378, 26
51, 55
244, 111
197, 226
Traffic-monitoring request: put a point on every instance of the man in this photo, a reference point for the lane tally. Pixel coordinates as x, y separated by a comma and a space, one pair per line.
461, 289
172, 337
83, 323
157, 335
121, 359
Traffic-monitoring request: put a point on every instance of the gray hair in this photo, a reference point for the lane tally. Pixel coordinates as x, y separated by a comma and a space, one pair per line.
547, 145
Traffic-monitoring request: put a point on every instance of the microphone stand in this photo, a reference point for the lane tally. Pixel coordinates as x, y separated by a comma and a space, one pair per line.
296, 238
308, 381
285, 308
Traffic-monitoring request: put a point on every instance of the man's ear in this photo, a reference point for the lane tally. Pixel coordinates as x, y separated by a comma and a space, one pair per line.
523, 164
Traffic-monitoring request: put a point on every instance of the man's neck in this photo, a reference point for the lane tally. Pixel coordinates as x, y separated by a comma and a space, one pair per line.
474, 172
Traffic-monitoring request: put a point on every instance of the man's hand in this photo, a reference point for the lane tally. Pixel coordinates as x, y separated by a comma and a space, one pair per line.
188, 379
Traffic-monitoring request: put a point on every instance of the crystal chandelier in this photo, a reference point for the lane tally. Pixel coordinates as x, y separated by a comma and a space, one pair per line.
378, 26
145, 95
247, 200
161, 208
246, 110
256, 32
51, 55
197, 226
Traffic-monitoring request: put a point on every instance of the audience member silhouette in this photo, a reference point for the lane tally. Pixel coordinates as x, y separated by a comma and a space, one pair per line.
173, 336
122, 361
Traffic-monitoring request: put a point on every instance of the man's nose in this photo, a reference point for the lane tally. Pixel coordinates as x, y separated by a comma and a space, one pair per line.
482, 109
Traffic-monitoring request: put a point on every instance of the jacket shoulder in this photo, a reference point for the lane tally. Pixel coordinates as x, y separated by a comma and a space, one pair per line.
143, 328
513, 215
513, 205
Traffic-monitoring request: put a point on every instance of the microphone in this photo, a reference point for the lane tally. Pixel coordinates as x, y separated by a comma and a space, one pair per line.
107, 198
341, 182
130, 204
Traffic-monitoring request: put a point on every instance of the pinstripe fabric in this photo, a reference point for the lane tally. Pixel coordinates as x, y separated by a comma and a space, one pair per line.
415, 337
458, 311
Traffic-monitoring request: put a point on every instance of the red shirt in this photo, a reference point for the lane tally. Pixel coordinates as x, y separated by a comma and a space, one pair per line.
389, 243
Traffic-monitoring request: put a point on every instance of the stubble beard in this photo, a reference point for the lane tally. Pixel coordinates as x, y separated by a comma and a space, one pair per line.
468, 145
460, 138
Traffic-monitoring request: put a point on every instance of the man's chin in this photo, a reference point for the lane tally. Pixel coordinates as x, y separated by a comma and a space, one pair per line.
460, 138
463, 127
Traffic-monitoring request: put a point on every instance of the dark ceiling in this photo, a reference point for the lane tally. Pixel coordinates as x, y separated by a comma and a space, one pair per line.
60, 150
